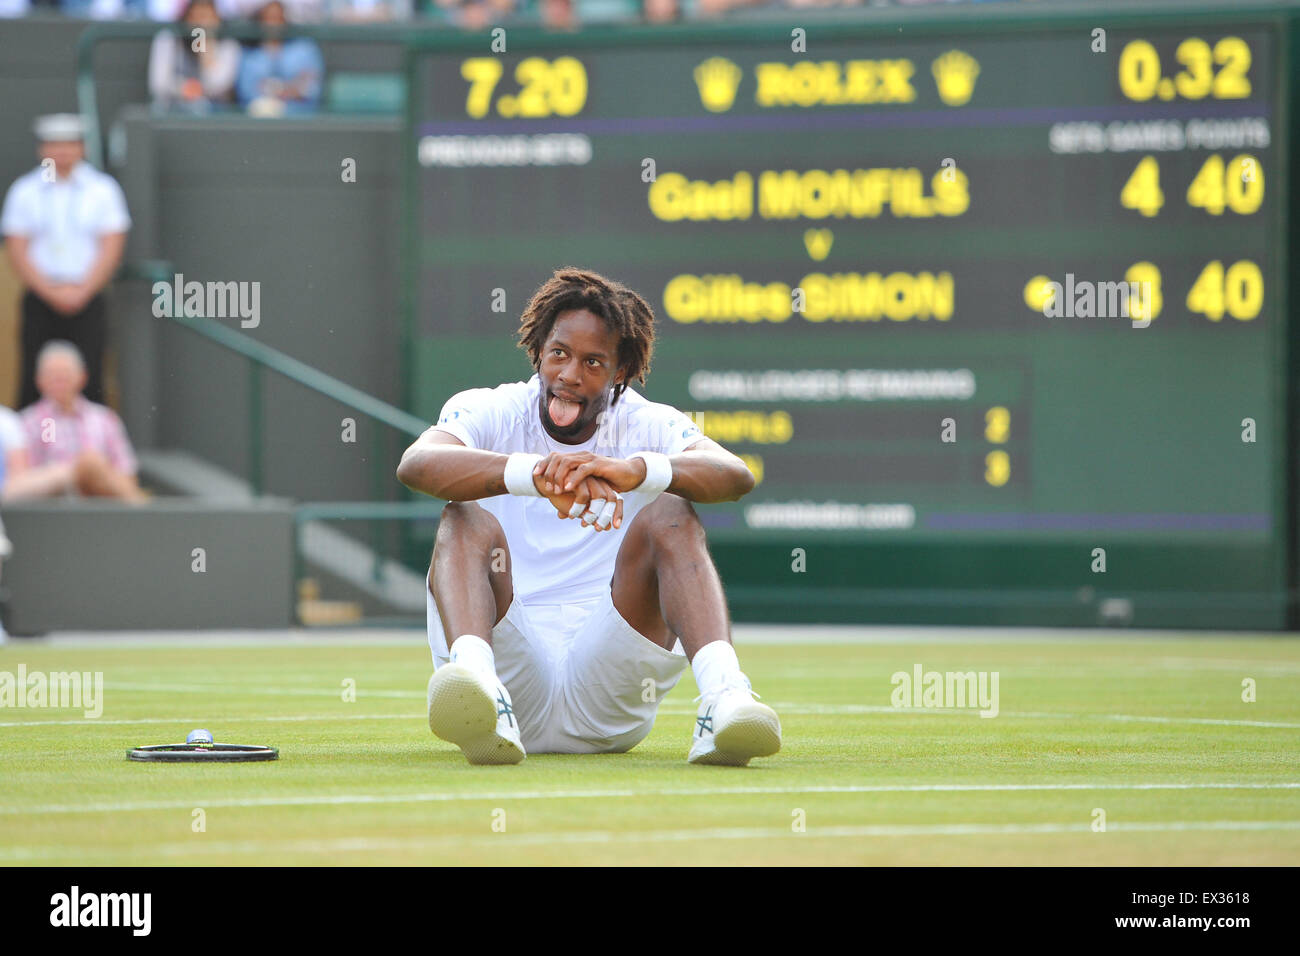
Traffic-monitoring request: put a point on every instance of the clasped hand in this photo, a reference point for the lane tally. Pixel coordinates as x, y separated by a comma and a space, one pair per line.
583, 485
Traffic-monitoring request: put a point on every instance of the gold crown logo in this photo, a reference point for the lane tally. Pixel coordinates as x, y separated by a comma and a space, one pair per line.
718, 79
954, 75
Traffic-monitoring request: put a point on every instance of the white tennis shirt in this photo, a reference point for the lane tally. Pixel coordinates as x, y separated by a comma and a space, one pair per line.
64, 219
556, 560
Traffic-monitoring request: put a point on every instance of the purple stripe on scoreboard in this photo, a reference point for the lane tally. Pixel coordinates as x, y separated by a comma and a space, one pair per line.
916, 119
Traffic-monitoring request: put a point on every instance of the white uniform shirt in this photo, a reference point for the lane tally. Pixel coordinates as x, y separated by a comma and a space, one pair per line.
169, 11
556, 560
64, 219
13, 436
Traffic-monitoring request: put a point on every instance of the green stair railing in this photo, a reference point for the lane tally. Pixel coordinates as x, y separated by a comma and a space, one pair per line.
262, 357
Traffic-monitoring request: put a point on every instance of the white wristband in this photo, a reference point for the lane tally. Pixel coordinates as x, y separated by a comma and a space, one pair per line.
519, 474
658, 472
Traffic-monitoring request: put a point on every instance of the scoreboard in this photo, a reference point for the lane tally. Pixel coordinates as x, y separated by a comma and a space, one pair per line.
993, 315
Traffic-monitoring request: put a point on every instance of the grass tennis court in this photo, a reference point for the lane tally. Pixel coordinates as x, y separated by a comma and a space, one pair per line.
1150, 729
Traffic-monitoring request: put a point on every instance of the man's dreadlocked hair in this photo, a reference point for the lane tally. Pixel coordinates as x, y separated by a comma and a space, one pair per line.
624, 312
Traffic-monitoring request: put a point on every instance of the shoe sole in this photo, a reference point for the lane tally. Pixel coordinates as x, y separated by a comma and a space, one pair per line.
753, 731
462, 712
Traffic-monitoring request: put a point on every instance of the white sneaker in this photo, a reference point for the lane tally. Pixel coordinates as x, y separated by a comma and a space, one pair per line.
473, 711
732, 727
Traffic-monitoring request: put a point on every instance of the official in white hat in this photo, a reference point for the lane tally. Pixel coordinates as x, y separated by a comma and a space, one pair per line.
64, 225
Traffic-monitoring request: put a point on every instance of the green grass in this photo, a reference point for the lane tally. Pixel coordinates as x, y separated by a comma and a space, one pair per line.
365, 782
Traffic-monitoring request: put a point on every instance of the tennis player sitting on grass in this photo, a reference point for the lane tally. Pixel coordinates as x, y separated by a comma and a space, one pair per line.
569, 560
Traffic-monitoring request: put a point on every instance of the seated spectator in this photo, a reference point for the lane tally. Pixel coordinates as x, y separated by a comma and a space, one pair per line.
13, 442
660, 11
299, 11
171, 11
280, 76
13, 454
559, 15
93, 9
195, 69
368, 11
75, 446
165, 11
475, 14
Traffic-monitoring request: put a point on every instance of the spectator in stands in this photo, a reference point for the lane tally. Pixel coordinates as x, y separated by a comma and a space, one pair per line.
6, 549
65, 226
281, 75
661, 11
165, 11
301, 11
196, 69
75, 446
476, 14
369, 11
171, 11
20, 480
13, 455
714, 8
559, 14
94, 9
14, 468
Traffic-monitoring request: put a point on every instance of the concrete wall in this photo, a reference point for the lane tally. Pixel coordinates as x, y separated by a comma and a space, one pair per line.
70, 570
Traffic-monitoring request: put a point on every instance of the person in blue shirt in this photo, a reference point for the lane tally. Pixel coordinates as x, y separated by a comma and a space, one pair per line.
281, 75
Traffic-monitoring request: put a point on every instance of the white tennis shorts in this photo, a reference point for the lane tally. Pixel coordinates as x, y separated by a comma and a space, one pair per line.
581, 679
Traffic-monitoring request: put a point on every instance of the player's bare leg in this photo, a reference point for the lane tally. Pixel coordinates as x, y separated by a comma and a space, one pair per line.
470, 572
471, 585
665, 554
666, 586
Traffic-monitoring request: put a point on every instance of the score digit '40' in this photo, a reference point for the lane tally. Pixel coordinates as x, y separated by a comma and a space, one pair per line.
1237, 291
1237, 185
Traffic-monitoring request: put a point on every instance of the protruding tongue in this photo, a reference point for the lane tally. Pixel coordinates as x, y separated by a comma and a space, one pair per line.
563, 413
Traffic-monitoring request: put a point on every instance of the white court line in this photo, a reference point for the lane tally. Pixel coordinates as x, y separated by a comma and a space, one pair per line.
219, 639
1149, 719
350, 799
1216, 663
200, 846
274, 690
814, 709
667, 709
198, 721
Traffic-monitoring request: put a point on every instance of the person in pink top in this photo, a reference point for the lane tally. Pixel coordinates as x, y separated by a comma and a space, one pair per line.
74, 445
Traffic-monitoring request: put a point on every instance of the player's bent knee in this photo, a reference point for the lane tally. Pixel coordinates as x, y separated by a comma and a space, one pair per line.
671, 515
456, 511
460, 519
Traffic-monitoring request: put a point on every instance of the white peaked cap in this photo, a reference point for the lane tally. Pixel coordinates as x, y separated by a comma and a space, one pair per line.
60, 128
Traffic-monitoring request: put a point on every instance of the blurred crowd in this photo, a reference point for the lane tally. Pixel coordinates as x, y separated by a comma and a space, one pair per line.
469, 14
194, 68
64, 225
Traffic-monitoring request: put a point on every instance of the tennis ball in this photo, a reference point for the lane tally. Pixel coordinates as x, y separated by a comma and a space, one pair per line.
202, 738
